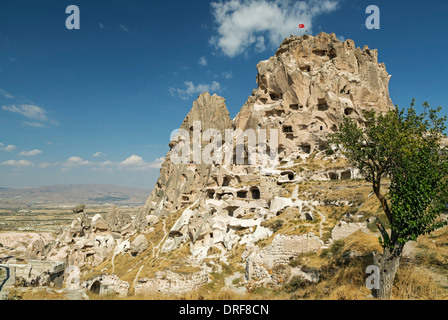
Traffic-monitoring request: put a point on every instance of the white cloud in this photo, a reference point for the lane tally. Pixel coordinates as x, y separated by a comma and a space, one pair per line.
192, 89
13, 59
75, 162
100, 25
45, 165
99, 154
18, 163
31, 112
31, 153
137, 163
227, 75
6, 94
203, 61
34, 124
105, 164
134, 162
8, 148
255, 23
124, 28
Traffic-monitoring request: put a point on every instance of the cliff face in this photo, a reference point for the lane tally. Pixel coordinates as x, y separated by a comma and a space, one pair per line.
181, 184
310, 84
303, 92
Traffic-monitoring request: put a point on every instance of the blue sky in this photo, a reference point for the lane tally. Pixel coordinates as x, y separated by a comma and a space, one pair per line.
97, 105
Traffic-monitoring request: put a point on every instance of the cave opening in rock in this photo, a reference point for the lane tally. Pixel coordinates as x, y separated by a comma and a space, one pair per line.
241, 194
322, 105
348, 111
255, 193
306, 148
287, 129
96, 287
333, 176
275, 96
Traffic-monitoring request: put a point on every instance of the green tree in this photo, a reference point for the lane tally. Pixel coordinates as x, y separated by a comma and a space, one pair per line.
405, 147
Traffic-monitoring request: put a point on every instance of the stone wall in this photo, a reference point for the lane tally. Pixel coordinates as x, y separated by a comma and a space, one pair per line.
36, 274
168, 282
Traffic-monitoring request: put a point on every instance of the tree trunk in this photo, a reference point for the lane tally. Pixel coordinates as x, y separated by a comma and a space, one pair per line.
388, 265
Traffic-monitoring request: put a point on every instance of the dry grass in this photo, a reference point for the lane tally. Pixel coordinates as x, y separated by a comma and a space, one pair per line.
414, 283
35, 294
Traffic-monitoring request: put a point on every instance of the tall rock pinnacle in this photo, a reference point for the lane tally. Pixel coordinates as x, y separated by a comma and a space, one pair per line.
310, 84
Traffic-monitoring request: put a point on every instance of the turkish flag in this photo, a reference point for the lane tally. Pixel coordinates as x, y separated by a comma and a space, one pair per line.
301, 26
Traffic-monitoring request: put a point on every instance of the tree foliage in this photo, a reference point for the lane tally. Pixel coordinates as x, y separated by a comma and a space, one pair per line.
404, 146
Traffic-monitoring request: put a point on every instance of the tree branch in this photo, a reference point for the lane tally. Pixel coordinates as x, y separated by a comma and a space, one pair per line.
383, 231
380, 196
377, 259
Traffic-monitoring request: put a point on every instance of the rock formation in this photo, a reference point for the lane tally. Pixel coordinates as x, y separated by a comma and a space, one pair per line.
303, 93
307, 88
302, 96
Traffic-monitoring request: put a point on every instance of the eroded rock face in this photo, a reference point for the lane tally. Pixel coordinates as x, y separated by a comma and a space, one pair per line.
107, 284
117, 221
303, 93
139, 245
38, 273
344, 229
179, 185
282, 249
310, 84
168, 282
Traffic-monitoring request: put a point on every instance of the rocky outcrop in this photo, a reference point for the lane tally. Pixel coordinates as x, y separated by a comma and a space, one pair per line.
107, 284
261, 262
344, 229
303, 94
118, 222
139, 245
168, 282
90, 241
307, 88
36, 274
182, 184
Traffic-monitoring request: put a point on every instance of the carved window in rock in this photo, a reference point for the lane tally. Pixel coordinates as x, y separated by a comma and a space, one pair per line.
306, 148
242, 194
322, 105
226, 182
348, 111
295, 107
287, 129
275, 96
255, 192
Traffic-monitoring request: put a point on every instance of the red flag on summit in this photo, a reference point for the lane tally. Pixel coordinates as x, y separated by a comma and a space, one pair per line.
301, 26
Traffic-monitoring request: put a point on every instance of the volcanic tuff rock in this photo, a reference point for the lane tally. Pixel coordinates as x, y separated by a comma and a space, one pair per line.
180, 184
303, 93
310, 84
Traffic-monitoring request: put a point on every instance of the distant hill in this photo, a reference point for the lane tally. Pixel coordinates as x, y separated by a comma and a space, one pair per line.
73, 194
